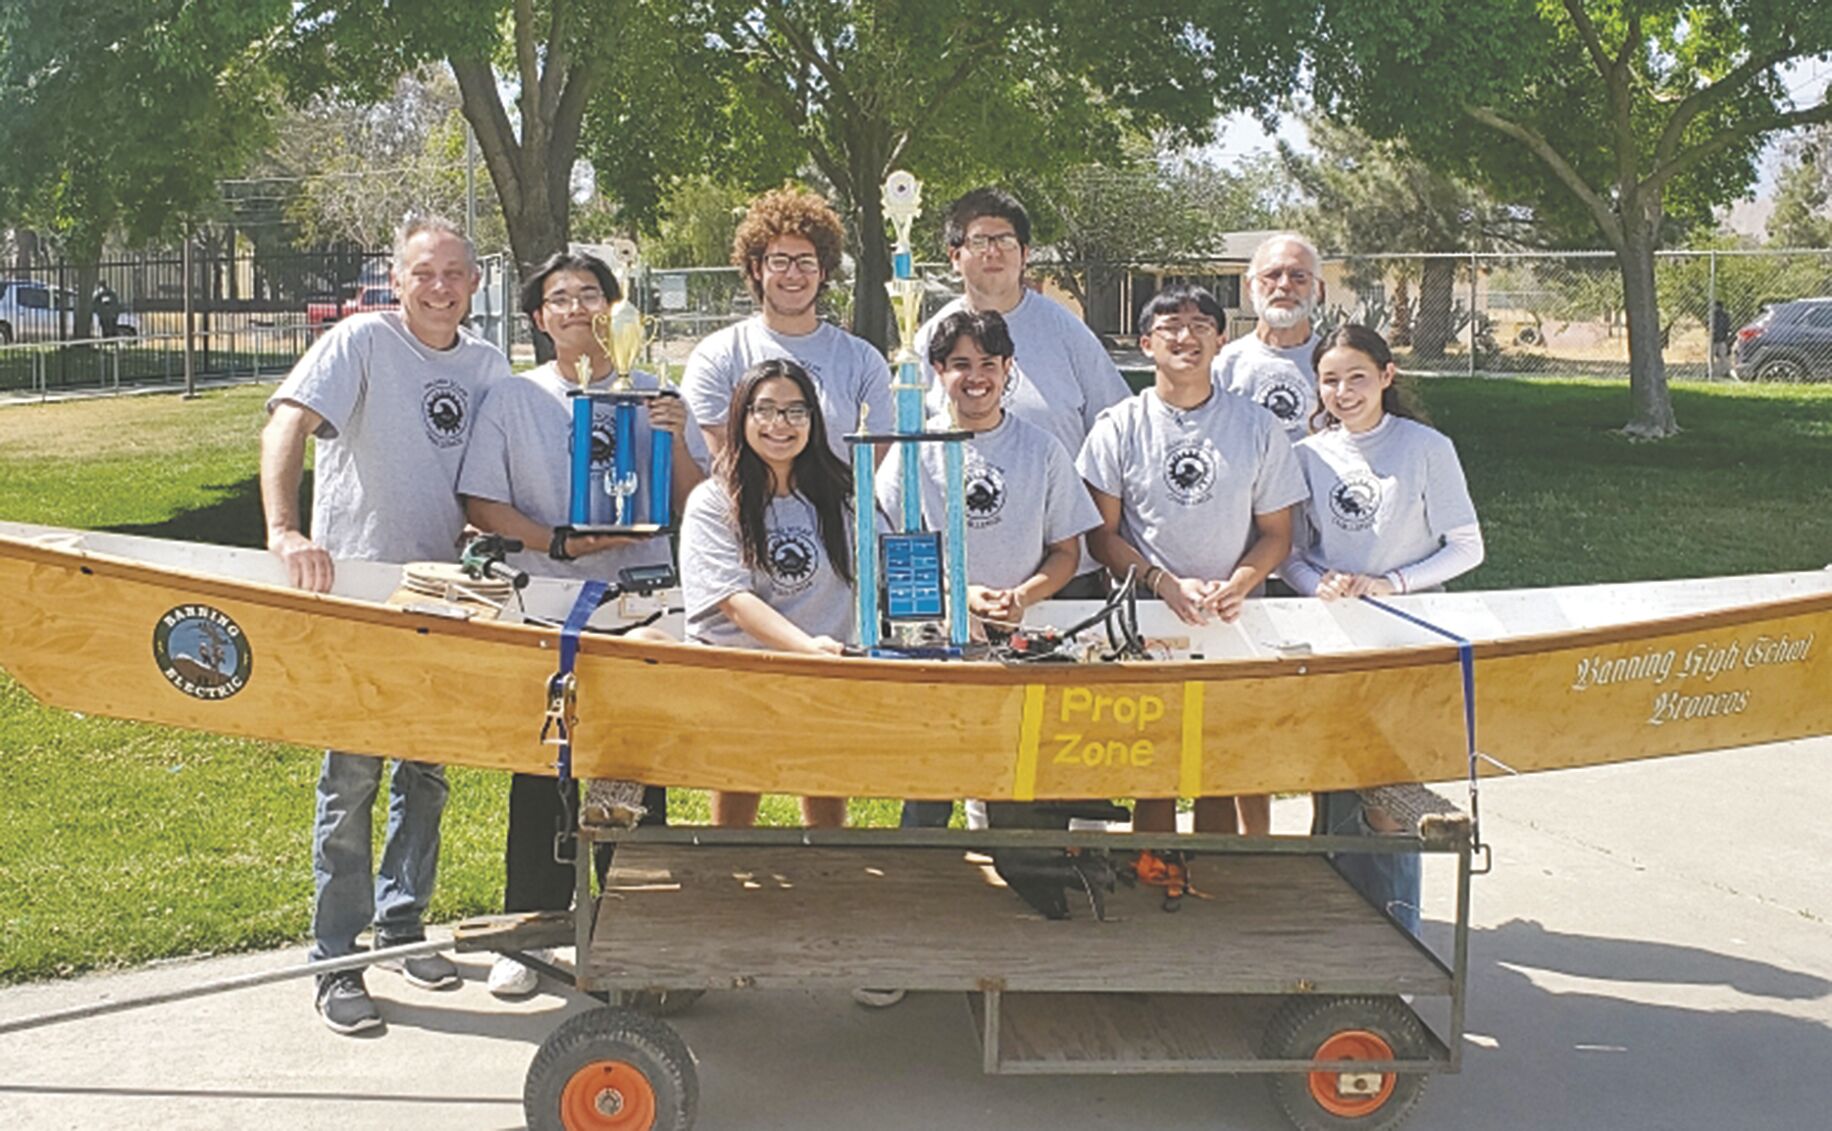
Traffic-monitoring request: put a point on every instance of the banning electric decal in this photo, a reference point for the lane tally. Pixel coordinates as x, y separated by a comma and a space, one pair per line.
202, 652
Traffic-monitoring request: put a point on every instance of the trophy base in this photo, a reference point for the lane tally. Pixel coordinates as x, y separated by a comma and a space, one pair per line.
635, 529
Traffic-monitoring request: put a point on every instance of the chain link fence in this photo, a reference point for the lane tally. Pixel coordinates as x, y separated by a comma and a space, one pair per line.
1750, 315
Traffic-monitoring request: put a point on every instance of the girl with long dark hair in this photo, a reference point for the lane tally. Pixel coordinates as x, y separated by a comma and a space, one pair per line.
1389, 512
766, 551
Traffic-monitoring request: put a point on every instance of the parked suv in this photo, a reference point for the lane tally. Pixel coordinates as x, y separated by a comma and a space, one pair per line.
33, 311
1788, 341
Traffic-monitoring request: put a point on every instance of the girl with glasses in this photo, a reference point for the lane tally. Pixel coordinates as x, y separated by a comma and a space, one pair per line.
766, 551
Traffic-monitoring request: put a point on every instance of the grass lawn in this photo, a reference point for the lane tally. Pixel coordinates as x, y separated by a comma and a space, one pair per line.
125, 843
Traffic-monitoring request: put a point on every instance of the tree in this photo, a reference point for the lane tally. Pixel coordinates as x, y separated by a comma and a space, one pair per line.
122, 114
547, 57
965, 90
1367, 196
1635, 115
1803, 194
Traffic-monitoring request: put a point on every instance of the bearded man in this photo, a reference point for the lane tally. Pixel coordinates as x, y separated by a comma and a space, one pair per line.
1272, 366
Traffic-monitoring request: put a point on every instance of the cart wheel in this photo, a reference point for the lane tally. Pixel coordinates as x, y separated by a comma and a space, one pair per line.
1345, 1028
612, 1070
660, 1003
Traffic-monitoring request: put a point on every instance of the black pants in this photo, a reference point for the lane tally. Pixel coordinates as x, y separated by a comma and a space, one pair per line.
534, 880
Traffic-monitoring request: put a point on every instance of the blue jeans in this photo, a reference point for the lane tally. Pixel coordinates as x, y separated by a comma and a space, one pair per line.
1390, 881
348, 896
926, 814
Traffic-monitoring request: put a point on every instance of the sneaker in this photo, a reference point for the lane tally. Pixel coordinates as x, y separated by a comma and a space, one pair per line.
509, 978
878, 999
345, 1004
427, 971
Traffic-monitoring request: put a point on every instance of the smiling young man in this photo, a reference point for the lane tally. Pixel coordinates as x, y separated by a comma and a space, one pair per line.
1026, 507
788, 247
517, 481
1195, 494
388, 398
1272, 366
1061, 376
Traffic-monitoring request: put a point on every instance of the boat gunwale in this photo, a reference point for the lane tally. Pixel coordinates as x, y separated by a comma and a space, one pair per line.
858, 669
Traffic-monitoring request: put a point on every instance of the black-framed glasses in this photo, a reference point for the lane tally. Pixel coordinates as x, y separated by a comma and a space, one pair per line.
979, 243
590, 299
797, 415
781, 263
1200, 328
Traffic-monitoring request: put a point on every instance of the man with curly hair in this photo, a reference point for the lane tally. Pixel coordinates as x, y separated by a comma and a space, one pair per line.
788, 247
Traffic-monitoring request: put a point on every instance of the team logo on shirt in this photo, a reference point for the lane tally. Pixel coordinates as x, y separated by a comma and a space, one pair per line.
1281, 398
793, 556
1190, 471
1012, 381
1354, 502
984, 493
202, 652
445, 407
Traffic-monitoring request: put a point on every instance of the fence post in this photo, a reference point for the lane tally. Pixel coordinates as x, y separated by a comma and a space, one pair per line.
1472, 313
1711, 300
190, 324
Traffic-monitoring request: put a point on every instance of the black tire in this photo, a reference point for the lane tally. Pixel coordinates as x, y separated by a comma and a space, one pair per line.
1785, 369
604, 1068
1299, 1031
659, 1003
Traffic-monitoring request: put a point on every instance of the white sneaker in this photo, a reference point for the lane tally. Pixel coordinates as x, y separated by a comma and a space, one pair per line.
509, 978
877, 999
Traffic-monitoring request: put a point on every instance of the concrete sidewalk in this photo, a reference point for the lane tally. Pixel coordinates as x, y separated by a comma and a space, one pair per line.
1652, 950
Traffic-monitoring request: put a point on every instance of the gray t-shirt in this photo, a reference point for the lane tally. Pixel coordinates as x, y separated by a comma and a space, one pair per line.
521, 454
1190, 481
796, 580
1380, 500
1280, 380
1061, 376
846, 369
397, 415
1021, 494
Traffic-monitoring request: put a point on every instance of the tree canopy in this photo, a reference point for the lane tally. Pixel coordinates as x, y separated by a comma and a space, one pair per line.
1634, 116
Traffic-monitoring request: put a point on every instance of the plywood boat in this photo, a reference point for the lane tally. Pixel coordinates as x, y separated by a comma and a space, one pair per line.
1298, 695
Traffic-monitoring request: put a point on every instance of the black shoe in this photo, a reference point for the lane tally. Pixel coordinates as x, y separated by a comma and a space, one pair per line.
427, 971
345, 1004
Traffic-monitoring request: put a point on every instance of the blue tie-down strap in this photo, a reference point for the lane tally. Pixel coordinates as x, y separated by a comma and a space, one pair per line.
1466, 659
562, 689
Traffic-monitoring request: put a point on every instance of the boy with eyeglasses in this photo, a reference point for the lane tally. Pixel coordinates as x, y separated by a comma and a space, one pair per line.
1195, 492
517, 481
1061, 376
1272, 366
788, 247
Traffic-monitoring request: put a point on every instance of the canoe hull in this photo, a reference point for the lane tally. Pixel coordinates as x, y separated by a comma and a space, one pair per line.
83, 630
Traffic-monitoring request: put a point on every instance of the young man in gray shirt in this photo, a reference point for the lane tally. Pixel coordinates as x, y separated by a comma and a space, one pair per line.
1195, 490
389, 398
1061, 376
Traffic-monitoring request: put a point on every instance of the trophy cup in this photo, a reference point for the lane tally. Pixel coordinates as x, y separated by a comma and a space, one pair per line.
621, 332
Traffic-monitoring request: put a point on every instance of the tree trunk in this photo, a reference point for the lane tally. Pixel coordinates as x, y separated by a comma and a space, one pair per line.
1433, 325
1651, 415
871, 303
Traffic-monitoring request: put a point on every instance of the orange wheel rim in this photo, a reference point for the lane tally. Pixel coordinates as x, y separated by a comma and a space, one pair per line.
607, 1095
1325, 1087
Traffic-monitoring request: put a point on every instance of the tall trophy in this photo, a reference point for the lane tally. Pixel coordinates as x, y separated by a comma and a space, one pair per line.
622, 332
912, 581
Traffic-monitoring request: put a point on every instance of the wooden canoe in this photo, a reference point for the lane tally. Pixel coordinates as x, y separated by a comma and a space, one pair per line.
1298, 695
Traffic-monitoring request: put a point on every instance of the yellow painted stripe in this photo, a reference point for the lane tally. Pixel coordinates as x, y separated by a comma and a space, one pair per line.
1024, 788
1189, 781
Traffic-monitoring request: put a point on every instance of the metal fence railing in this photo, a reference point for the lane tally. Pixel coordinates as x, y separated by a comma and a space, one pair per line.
1762, 315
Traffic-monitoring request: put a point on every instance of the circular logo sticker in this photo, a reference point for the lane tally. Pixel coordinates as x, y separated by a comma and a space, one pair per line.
1190, 470
1281, 398
793, 556
444, 406
1354, 502
202, 652
984, 494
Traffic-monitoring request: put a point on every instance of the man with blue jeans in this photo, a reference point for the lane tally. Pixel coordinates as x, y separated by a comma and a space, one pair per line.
388, 397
